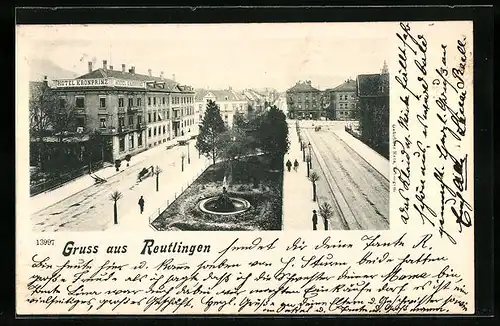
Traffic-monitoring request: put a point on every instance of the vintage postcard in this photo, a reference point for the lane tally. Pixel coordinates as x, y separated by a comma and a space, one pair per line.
277, 168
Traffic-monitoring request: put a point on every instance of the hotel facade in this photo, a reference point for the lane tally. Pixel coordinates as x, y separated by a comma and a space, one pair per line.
135, 111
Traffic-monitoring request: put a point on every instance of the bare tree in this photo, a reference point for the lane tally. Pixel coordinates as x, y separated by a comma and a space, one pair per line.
157, 172
115, 197
41, 105
325, 210
313, 177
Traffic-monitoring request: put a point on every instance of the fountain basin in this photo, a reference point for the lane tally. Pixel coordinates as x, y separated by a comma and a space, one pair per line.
239, 205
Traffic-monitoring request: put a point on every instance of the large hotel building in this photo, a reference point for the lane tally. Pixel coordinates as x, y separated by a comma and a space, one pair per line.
135, 111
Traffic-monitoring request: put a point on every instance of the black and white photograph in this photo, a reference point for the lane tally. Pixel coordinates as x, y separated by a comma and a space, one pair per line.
205, 127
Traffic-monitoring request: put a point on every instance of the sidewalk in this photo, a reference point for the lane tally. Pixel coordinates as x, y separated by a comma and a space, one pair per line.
297, 190
380, 163
170, 188
51, 197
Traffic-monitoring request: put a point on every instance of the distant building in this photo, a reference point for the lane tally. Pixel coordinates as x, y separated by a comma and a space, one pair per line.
304, 101
342, 101
256, 102
373, 94
134, 111
229, 102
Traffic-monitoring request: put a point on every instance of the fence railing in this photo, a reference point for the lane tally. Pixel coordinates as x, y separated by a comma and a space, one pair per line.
55, 182
173, 197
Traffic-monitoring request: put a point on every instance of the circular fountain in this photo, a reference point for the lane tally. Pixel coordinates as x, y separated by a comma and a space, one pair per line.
224, 204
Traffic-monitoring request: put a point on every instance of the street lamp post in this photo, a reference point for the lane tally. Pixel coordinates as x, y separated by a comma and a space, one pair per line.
303, 151
189, 157
308, 164
183, 156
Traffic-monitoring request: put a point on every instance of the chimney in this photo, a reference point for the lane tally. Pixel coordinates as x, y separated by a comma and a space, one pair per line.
110, 67
105, 64
173, 77
45, 81
149, 72
131, 70
161, 75
90, 66
123, 67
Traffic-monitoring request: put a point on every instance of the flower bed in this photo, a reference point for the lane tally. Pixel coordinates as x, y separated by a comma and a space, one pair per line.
252, 180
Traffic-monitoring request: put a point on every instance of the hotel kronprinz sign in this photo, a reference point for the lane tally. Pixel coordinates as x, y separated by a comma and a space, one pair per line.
103, 82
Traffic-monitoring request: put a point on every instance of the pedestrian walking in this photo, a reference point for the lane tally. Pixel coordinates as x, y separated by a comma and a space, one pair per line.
141, 204
295, 165
315, 220
288, 165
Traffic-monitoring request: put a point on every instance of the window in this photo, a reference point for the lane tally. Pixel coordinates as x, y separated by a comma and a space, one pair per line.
120, 102
139, 101
139, 119
154, 100
149, 117
164, 100
130, 101
121, 121
102, 102
122, 143
149, 132
130, 120
80, 102
80, 122
131, 141
163, 128
159, 130
154, 131
102, 122
149, 100
139, 139
154, 116
62, 102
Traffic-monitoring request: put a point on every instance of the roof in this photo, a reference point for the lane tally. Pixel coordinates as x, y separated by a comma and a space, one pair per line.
170, 85
348, 86
219, 94
369, 85
303, 87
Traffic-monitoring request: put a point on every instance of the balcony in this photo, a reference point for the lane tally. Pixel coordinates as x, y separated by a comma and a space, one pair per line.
80, 111
140, 126
133, 109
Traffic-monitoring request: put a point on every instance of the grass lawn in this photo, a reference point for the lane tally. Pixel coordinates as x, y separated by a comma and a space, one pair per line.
252, 180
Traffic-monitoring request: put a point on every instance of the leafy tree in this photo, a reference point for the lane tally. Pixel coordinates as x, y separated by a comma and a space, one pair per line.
273, 134
115, 197
211, 127
233, 144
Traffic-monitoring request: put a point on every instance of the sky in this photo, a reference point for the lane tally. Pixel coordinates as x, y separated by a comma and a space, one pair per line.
220, 55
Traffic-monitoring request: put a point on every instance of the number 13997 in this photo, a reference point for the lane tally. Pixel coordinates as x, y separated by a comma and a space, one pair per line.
45, 242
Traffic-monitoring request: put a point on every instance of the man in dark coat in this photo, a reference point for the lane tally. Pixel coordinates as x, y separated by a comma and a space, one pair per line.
315, 220
295, 165
288, 165
141, 204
